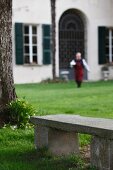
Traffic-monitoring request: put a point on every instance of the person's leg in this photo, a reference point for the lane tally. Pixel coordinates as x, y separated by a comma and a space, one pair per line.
78, 83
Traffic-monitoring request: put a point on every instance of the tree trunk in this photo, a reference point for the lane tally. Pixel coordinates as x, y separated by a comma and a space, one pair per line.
6, 73
53, 37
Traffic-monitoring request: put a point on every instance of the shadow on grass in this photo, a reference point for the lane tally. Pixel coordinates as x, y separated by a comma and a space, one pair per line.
39, 160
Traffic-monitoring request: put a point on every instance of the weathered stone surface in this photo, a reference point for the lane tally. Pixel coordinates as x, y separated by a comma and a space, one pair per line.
62, 142
102, 153
41, 137
94, 126
59, 142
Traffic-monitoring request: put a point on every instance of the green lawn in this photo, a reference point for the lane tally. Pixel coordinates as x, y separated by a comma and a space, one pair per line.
93, 99
17, 150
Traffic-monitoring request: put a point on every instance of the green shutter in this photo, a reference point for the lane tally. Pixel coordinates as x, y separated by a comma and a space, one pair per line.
19, 43
102, 45
46, 44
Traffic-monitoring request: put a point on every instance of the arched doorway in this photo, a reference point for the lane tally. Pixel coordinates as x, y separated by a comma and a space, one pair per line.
71, 38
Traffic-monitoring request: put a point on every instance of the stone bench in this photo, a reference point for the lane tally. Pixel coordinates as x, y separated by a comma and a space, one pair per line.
60, 134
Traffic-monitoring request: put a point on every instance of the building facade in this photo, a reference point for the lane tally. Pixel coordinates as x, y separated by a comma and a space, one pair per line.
81, 25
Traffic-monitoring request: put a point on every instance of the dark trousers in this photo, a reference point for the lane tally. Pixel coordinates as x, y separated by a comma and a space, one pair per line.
79, 83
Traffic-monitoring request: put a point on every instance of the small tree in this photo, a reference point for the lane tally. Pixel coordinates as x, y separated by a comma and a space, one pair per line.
53, 36
6, 73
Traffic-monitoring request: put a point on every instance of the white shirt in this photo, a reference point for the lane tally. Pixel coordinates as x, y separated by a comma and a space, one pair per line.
72, 63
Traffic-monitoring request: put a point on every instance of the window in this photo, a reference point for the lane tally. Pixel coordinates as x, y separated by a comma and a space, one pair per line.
105, 44
109, 45
30, 44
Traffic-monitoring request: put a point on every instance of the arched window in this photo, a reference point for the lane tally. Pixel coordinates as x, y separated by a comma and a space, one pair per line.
71, 37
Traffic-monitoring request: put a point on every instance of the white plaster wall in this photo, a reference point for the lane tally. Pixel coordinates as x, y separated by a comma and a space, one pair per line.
31, 74
96, 12
31, 12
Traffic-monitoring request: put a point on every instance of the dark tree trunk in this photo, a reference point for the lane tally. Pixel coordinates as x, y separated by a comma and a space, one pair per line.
53, 37
6, 73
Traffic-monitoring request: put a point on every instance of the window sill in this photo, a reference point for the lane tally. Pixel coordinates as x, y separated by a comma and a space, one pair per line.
32, 65
37, 65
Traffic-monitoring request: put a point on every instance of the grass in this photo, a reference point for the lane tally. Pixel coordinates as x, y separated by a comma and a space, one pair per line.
93, 99
17, 150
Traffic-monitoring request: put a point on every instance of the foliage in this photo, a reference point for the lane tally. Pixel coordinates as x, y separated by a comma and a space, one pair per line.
84, 139
19, 112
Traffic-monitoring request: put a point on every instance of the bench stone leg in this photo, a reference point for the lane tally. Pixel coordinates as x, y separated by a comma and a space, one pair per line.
62, 142
102, 153
58, 142
41, 137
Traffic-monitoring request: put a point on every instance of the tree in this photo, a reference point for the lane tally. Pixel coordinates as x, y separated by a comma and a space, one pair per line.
6, 72
53, 37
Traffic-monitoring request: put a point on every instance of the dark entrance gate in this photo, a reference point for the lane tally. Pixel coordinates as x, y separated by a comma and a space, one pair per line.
71, 39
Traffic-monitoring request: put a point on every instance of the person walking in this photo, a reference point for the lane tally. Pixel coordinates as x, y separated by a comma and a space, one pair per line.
79, 64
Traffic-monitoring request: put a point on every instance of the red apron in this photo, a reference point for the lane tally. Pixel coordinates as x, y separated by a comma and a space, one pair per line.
79, 70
